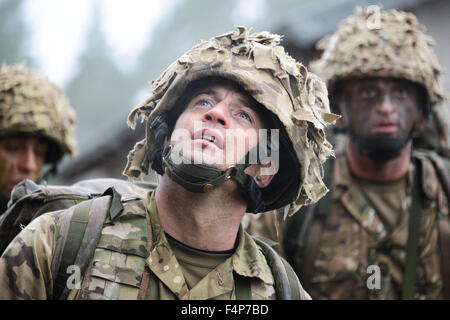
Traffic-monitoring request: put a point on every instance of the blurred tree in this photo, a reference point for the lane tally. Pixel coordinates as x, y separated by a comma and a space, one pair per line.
12, 32
185, 27
99, 92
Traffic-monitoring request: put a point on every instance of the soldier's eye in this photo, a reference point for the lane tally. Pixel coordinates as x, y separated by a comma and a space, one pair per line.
203, 103
401, 93
244, 115
40, 152
368, 93
12, 147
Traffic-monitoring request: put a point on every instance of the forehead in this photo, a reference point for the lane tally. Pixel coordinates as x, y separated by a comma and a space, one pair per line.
377, 82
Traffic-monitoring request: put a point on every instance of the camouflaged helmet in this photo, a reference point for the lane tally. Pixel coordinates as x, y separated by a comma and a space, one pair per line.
283, 86
380, 43
30, 104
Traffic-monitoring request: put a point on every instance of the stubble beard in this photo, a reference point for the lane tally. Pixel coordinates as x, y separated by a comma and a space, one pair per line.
380, 149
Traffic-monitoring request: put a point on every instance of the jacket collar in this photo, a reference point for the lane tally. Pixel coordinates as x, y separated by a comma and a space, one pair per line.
246, 261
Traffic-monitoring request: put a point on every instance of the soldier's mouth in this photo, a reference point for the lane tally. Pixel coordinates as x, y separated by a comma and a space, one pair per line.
387, 127
209, 137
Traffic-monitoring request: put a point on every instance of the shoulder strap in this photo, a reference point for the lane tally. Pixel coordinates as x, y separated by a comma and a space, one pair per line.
443, 169
287, 285
75, 235
83, 233
412, 244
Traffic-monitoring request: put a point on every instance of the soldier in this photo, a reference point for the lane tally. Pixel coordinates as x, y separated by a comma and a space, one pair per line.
184, 240
36, 127
383, 231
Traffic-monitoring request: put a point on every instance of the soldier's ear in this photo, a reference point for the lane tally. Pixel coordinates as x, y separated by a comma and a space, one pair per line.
420, 123
264, 175
263, 180
423, 117
423, 108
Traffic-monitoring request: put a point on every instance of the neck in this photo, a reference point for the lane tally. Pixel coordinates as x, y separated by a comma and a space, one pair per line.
207, 221
365, 167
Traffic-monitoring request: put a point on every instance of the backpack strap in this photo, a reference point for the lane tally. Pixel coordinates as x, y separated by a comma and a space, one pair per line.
444, 241
412, 244
83, 234
443, 169
75, 235
287, 286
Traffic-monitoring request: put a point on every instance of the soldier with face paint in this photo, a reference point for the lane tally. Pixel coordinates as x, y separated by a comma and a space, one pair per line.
36, 127
380, 233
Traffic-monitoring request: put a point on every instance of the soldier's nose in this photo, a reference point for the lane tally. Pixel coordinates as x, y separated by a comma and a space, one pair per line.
217, 114
28, 160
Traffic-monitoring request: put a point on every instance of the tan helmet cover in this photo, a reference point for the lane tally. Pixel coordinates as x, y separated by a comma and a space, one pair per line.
31, 104
380, 43
261, 67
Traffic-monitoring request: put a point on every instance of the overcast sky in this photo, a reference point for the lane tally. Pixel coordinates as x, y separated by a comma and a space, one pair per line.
58, 30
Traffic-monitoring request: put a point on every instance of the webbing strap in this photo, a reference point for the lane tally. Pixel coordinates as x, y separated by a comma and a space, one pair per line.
75, 235
412, 246
283, 286
293, 281
242, 287
444, 241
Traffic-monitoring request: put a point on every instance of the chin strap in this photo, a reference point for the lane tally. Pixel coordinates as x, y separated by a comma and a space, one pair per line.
201, 179
193, 177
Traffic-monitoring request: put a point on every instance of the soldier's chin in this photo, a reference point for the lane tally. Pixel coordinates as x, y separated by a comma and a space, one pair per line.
381, 149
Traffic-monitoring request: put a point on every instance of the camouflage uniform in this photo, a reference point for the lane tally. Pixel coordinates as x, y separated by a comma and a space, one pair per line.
32, 105
354, 236
133, 258
331, 252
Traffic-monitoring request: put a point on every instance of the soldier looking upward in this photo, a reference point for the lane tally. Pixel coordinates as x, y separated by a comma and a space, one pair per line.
184, 241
